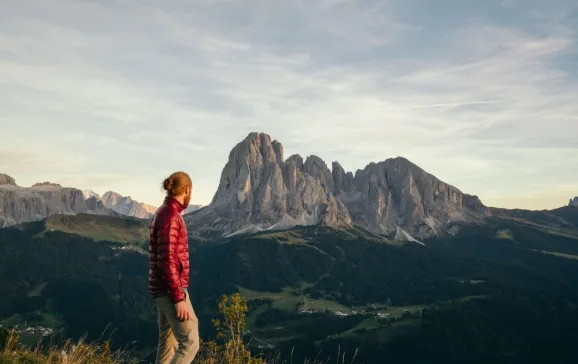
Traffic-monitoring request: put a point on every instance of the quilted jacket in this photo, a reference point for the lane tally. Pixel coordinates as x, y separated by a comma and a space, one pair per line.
169, 251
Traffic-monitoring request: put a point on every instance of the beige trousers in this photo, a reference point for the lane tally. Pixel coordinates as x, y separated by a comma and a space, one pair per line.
178, 341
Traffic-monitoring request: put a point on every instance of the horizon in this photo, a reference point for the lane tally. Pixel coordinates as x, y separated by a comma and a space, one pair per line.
114, 96
193, 202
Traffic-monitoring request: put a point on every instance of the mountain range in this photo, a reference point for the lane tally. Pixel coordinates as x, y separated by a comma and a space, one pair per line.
127, 206
261, 190
23, 204
26, 204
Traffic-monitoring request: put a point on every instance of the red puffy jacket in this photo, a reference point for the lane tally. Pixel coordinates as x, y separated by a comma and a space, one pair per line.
169, 251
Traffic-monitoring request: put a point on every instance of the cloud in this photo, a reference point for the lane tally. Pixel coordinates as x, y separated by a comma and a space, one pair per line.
132, 90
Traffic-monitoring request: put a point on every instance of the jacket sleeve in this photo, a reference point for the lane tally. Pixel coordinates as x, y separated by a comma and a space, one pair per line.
170, 265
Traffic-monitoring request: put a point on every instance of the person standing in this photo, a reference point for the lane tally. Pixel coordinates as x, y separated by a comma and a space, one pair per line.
169, 275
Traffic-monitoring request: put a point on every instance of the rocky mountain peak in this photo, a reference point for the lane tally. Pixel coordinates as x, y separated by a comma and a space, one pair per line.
316, 167
573, 202
90, 193
248, 161
257, 187
110, 195
7, 180
344, 182
397, 194
296, 160
258, 190
125, 205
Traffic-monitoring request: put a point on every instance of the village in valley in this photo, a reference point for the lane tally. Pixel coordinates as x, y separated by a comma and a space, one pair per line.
30, 330
33, 329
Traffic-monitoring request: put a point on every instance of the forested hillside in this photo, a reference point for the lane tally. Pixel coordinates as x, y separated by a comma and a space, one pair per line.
505, 291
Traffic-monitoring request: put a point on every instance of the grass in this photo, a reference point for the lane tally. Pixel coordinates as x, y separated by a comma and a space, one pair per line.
254, 295
400, 328
562, 233
367, 324
398, 311
556, 254
476, 282
470, 298
309, 234
232, 351
565, 232
371, 328
287, 300
290, 304
70, 353
37, 290
252, 317
285, 237
505, 234
85, 353
100, 228
326, 305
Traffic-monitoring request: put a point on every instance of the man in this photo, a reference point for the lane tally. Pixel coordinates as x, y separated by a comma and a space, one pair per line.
169, 275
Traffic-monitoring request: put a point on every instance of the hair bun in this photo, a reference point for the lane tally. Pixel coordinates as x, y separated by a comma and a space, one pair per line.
168, 184
177, 183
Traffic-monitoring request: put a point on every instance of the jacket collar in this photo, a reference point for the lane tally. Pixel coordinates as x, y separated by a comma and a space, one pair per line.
171, 200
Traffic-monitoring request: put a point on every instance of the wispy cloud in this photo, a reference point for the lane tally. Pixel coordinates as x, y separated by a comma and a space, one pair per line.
482, 95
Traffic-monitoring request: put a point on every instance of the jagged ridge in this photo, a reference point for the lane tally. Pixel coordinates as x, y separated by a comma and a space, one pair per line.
26, 204
259, 188
127, 206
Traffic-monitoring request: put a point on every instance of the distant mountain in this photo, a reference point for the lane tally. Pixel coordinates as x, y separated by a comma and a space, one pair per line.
90, 193
259, 189
574, 202
192, 208
127, 206
26, 204
7, 180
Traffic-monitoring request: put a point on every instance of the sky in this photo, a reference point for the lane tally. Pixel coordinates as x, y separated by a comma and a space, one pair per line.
117, 94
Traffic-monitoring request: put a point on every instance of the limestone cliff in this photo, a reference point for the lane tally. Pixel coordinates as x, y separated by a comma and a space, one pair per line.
25, 204
258, 188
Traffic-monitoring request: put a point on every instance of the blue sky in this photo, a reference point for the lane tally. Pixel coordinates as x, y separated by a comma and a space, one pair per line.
115, 95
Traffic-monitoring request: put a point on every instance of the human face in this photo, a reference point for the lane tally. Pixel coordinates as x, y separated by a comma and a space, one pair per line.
187, 197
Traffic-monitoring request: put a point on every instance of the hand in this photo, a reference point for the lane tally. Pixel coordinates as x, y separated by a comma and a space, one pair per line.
183, 311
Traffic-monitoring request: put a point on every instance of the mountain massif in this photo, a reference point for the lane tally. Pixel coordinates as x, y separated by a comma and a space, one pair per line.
127, 206
24, 204
260, 189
